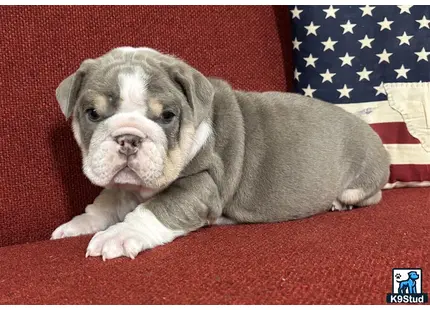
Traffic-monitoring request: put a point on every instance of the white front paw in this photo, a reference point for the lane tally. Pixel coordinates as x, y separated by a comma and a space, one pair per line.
83, 224
118, 240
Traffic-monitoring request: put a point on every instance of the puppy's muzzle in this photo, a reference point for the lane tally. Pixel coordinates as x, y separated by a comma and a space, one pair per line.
129, 144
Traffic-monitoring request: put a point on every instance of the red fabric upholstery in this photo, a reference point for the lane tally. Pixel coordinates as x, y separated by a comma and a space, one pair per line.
335, 258
42, 183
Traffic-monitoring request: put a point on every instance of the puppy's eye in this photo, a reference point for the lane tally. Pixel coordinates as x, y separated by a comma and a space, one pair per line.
93, 115
167, 117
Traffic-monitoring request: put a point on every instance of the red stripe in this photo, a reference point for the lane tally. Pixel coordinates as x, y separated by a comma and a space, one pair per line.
409, 173
394, 133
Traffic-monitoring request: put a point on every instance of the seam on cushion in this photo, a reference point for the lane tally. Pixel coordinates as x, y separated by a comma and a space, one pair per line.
406, 117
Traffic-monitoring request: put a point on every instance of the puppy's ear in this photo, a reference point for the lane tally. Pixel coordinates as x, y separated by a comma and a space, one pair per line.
196, 88
68, 90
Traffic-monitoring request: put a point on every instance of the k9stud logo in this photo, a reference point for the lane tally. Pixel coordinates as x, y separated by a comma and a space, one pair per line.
407, 286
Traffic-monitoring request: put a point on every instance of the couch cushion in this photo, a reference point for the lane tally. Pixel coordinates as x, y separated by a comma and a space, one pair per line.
335, 258
373, 62
42, 183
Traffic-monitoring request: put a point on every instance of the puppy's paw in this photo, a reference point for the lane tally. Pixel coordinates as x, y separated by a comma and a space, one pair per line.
118, 240
338, 206
83, 224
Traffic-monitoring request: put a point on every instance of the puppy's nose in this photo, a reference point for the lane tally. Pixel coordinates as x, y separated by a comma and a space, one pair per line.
129, 144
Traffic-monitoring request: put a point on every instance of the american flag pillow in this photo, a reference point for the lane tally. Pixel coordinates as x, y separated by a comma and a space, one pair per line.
373, 61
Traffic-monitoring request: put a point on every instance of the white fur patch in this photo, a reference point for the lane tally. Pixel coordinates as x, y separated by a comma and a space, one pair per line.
352, 196
133, 90
76, 133
376, 198
203, 132
140, 230
130, 49
108, 208
83, 224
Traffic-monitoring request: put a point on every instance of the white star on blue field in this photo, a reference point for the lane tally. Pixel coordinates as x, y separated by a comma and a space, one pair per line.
345, 54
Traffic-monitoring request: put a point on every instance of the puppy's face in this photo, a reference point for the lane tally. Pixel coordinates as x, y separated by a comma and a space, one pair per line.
138, 116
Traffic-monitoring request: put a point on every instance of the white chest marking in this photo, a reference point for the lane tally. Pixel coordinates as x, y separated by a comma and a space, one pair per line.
203, 132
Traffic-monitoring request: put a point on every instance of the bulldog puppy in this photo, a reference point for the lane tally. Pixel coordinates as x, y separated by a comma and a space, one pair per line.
176, 151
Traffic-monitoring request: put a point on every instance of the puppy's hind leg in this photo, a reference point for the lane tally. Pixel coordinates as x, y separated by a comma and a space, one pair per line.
339, 206
348, 199
352, 196
372, 200
359, 198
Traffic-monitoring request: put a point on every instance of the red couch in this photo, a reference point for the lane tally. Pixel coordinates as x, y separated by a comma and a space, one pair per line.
342, 257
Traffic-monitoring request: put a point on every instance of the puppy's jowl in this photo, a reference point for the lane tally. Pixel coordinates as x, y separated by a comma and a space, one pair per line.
175, 151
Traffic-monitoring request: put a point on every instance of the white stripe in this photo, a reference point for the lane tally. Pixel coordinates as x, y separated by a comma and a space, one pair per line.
405, 154
407, 184
373, 112
202, 134
133, 90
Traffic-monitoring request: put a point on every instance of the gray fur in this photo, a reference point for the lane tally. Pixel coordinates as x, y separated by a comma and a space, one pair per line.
282, 156
272, 156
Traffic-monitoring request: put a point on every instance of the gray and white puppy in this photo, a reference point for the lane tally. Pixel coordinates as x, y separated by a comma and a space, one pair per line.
176, 151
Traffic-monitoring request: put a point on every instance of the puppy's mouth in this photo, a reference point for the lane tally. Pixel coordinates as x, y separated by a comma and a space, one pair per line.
126, 175
128, 180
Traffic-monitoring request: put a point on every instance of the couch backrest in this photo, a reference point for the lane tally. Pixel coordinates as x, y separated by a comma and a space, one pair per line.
42, 184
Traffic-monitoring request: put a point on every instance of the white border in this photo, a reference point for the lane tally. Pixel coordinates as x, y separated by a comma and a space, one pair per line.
400, 184
407, 154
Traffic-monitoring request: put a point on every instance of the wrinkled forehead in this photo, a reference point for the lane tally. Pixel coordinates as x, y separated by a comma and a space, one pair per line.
120, 67
133, 76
